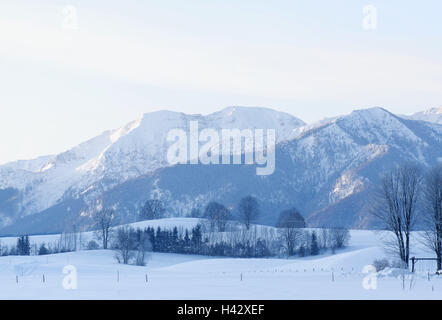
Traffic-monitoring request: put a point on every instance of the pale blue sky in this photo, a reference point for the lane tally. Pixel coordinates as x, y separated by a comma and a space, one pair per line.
59, 87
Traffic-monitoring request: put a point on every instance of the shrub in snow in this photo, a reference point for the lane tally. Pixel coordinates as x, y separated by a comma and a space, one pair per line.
314, 248
43, 250
92, 245
301, 251
152, 209
23, 246
381, 264
339, 237
399, 264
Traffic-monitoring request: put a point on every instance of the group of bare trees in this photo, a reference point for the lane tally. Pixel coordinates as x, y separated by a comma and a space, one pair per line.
333, 238
289, 238
152, 209
217, 216
406, 195
296, 239
131, 246
291, 235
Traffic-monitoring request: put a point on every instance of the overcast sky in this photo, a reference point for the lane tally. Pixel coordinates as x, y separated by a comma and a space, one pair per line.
71, 69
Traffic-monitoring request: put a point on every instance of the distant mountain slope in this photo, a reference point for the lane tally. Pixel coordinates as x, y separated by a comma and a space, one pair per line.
116, 156
327, 171
430, 115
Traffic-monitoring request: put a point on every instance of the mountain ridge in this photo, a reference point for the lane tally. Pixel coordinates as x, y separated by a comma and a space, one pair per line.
121, 154
319, 168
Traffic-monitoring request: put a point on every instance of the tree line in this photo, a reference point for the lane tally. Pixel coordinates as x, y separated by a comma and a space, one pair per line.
66, 242
132, 245
218, 233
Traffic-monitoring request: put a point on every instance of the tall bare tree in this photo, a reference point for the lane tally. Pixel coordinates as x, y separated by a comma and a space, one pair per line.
433, 213
217, 215
398, 198
104, 219
125, 244
249, 210
143, 246
289, 224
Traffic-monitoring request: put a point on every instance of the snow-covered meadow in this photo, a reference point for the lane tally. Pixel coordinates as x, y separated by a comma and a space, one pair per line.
176, 276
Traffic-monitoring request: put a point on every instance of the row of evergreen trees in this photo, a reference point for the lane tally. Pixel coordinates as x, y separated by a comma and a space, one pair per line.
22, 248
25, 248
195, 241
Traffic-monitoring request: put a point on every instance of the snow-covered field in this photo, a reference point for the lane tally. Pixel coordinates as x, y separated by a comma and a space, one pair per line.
175, 276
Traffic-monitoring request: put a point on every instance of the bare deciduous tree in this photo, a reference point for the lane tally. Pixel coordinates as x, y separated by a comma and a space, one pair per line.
71, 235
249, 210
433, 213
289, 224
218, 215
290, 238
396, 208
142, 246
124, 244
339, 237
324, 238
104, 219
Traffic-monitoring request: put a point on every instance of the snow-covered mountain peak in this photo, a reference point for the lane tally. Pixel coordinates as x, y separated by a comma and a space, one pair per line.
32, 165
431, 115
434, 111
124, 130
375, 114
257, 118
357, 118
378, 126
324, 160
375, 128
134, 149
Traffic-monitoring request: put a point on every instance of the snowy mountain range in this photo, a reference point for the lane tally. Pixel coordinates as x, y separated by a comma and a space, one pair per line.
325, 169
431, 115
